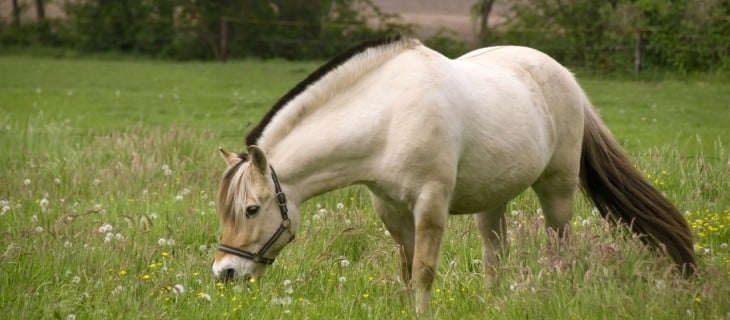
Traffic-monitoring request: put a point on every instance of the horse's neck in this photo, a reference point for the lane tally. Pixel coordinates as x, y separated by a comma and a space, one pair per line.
330, 150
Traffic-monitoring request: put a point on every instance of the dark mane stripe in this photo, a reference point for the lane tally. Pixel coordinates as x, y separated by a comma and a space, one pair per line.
313, 77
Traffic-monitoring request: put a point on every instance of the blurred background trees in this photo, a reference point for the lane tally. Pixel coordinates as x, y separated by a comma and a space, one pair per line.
603, 35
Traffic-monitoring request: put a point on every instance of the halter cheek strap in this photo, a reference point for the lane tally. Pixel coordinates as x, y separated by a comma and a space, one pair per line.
284, 226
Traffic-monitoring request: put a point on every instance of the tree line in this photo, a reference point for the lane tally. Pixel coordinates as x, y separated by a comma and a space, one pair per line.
605, 35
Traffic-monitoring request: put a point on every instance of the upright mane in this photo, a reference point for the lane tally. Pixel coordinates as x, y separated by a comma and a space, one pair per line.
338, 72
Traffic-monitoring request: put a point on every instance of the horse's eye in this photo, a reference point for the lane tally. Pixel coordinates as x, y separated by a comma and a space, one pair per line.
251, 211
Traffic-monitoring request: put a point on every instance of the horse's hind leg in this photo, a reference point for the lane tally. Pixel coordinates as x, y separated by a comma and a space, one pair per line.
399, 222
556, 193
492, 227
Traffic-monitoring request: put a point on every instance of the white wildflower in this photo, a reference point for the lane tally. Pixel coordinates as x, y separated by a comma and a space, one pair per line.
281, 301
585, 222
76, 279
118, 236
170, 242
202, 247
39, 229
287, 283
71, 316
43, 203
26, 182
67, 244
57, 181
178, 289
340, 206
153, 216
289, 290
344, 263
387, 233
178, 197
105, 228
161, 242
4, 210
211, 204
342, 279
205, 296
723, 245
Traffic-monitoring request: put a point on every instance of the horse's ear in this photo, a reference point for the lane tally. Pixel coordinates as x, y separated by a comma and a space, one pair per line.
230, 157
258, 158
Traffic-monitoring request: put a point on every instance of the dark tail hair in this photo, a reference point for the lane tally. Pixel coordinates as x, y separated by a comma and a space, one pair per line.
623, 195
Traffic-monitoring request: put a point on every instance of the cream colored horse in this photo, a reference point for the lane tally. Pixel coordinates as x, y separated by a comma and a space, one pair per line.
429, 137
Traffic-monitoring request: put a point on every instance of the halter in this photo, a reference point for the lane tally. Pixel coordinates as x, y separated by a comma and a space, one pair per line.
284, 226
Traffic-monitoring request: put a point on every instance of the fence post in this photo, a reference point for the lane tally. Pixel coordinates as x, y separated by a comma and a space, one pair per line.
637, 51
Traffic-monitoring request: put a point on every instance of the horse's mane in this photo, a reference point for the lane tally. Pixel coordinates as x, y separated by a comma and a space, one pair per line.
330, 70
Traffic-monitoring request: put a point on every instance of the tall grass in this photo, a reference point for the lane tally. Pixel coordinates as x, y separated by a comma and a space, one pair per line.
113, 217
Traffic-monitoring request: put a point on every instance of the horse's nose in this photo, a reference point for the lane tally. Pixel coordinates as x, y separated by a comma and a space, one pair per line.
227, 275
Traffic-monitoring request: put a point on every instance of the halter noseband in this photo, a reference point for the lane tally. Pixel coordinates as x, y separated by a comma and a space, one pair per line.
284, 226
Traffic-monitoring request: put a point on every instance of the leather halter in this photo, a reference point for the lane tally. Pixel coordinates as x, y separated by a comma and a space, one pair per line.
284, 226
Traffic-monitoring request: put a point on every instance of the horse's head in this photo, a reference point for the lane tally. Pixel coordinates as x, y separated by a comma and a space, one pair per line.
254, 215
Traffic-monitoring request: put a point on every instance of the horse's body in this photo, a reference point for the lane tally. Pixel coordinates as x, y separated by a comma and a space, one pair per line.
430, 136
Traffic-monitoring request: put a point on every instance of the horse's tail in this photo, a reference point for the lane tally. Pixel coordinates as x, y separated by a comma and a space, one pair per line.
623, 195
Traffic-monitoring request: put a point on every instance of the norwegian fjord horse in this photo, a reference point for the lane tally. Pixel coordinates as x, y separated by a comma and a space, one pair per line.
430, 136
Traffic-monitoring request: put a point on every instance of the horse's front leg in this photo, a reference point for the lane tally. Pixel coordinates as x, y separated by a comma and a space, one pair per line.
431, 213
399, 222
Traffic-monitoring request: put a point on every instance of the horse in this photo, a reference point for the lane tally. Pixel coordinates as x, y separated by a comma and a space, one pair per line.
430, 137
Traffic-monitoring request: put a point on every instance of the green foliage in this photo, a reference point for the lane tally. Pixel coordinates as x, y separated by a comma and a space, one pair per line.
216, 29
602, 35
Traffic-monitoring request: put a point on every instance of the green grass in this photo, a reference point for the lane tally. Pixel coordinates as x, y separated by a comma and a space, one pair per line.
92, 140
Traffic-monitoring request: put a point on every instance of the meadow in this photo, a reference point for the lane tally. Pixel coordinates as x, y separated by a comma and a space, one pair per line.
109, 174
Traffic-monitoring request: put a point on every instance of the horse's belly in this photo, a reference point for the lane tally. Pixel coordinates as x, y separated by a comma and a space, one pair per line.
493, 185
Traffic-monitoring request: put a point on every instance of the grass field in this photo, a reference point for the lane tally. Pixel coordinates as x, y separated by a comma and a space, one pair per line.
109, 172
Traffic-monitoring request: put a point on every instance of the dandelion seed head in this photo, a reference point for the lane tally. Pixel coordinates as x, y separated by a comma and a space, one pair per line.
57, 181
340, 206
342, 279
287, 283
26, 182
43, 203
76, 279
161, 242
178, 289
71, 316
344, 263
38, 229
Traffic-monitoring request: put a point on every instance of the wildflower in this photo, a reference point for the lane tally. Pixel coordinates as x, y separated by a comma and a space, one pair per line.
289, 291
322, 211
287, 283
170, 242
153, 215
344, 263
211, 204
165, 254
585, 222
71, 316
146, 277
161, 242
118, 236
109, 236
76, 279
39, 229
202, 247
117, 290
204, 296
57, 181
723, 245
340, 205
342, 279
166, 169
365, 295
387, 233
122, 273
5, 209
26, 182
43, 203
67, 244
178, 197
178, 289
96, 182
252, 280
281, 301
105, 228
